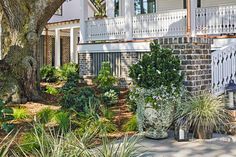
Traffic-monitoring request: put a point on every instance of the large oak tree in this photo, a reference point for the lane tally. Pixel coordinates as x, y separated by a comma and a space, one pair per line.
25, 21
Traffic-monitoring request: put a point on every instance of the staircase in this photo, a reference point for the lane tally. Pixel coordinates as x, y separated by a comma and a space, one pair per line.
223, 68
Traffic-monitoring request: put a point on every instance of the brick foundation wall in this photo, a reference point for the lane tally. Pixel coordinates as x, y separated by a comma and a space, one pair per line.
195, 55
48, 51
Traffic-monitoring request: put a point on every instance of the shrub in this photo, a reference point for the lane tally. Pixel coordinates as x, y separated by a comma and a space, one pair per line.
6, 115
131, 125
107, 113
45, 115
70, 86
159, 68
69, 71
48, 74
20, 113
131, 100
79, 100
110, 98
63, 120
51, 90
105, 78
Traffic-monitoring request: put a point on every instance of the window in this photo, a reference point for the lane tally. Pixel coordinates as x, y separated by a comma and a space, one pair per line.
144, 6
59, 11
198, 4
117, 7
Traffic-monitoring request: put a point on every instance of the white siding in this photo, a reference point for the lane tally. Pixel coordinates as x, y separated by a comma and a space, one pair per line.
211, 3
163, 5
70, 11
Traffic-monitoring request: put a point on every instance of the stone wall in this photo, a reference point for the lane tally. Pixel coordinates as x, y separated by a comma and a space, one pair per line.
195, 55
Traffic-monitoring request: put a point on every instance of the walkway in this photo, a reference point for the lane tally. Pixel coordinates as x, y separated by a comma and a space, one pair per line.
219, 146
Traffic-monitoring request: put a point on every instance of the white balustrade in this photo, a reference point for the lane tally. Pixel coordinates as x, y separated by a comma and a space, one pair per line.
216, 20
223, 68
106, 29
171, 23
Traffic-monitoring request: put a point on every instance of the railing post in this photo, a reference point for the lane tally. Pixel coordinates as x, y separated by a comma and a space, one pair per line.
191, 13
83, 18
129, 12
110, 8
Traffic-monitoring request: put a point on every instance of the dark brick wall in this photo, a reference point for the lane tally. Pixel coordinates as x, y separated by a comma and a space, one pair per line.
195, 55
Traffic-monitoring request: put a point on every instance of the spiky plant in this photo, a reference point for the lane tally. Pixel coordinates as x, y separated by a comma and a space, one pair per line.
204, 113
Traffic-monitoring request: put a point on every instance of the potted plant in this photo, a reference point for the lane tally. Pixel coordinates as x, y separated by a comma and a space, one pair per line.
158, 83
204, 114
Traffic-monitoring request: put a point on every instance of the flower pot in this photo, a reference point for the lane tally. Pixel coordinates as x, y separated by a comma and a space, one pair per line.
156, 123
202, 133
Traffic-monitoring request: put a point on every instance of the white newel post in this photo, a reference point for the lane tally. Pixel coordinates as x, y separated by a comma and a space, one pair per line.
57, 48
193, 7
84, 17
129, 11
73, 44
110, 8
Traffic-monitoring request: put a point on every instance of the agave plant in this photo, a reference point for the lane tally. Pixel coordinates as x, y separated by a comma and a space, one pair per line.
203, 114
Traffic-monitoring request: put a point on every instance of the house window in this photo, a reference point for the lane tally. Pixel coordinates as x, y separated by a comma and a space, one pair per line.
117, 7
198, 4
59, 11
144, 6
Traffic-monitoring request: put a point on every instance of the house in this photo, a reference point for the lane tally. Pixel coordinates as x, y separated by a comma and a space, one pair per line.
201, 32
59, 40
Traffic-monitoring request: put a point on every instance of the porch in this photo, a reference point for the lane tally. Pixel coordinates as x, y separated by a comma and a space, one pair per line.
204, 21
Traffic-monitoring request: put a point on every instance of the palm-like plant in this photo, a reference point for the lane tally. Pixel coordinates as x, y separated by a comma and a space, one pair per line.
203, 113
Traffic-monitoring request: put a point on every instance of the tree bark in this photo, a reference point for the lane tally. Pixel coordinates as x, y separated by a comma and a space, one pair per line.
18, 70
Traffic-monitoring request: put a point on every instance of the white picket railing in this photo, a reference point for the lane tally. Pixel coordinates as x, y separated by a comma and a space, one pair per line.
171, 23
216, 20
106, 29
223, 68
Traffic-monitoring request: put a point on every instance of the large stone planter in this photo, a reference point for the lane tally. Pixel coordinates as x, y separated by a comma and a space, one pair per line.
154, 120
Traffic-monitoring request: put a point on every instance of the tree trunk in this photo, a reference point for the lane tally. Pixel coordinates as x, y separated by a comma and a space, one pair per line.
18, 70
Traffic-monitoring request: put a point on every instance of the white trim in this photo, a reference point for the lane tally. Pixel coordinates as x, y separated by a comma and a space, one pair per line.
63, 26
115, 47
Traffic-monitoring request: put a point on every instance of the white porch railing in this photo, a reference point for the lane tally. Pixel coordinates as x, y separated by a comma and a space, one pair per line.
216, 20
223, 68
171, 23
106, 29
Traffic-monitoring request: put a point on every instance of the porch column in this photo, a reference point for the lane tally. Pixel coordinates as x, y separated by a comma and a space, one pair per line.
73, 43
110, 8
83, 18
57, 48
191, 11
129, 12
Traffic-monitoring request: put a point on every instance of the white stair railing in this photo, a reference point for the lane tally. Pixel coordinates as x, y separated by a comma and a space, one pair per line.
223, 68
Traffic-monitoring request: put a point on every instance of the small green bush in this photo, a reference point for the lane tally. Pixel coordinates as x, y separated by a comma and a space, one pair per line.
158, 68
107, 113
69, 71
131, 125
63, 120
45, 115
20, 113
6, 115
105, 78
51, 90
78, 100
48, 74
110, 98
70, 86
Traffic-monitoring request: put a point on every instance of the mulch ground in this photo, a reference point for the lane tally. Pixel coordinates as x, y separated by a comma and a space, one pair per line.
121, 112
